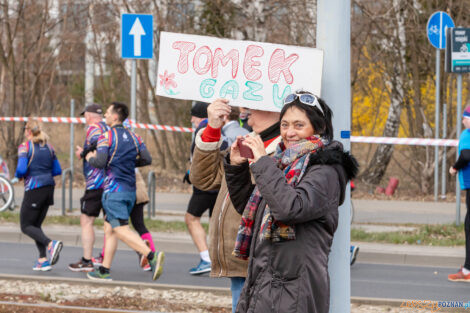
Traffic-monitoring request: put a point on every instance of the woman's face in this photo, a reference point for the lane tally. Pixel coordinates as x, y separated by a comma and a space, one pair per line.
295, 126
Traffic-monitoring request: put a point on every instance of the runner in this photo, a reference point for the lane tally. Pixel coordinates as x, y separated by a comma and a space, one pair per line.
37, 165
90, 203
119, 152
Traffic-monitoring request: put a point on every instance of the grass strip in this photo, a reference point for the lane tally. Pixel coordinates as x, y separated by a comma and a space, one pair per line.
152, 224
429, 235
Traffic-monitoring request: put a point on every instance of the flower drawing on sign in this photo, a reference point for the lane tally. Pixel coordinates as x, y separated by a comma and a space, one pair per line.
168, 83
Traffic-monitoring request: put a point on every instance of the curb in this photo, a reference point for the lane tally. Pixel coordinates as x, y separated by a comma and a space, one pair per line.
117, 283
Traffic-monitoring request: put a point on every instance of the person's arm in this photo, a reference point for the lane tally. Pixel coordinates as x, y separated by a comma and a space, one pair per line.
309, 200
56, 169
92, 135
463, 160
22, 166
99, 157
206, 172
207, 168
144, 159
239, 184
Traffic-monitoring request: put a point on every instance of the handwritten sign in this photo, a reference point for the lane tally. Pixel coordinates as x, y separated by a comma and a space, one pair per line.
250, 74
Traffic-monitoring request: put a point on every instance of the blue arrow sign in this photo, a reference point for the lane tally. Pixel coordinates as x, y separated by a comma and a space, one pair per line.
436, 28
136, 36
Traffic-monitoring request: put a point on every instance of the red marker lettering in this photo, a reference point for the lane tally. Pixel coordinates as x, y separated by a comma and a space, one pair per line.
219, 57
279, 64
252, 73
185, 48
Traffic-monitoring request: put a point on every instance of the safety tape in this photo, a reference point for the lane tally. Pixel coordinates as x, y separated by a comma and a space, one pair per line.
77, 120
360, 139
406, 141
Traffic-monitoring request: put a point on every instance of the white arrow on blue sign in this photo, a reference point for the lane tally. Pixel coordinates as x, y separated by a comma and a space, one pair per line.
436, 28
136, 36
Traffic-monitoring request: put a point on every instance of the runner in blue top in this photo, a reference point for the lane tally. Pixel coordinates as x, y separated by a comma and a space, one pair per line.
119, 152
463, 167
37, 165
90, 203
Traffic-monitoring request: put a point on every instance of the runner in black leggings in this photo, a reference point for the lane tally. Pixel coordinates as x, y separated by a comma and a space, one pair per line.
37, 165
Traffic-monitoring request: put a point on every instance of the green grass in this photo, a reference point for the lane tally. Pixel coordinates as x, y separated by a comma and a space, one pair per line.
431, 235
152, 225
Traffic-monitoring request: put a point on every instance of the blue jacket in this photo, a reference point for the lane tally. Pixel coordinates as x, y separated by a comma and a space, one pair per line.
464, 173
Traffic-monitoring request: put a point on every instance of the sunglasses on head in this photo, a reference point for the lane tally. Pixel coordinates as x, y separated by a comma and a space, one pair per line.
304, 98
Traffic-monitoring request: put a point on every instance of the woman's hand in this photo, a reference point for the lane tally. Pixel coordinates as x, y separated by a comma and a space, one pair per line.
216, 112
257, 146
235, 158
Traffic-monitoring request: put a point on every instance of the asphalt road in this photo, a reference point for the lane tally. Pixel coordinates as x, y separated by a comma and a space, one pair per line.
367, 280
19, 258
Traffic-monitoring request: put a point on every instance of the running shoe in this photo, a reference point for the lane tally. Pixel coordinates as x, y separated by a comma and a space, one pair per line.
201, 268
354, 252
42, 266
156, 264
96, 275
54, 251
81, 266
147, 268
459, 276
98, 261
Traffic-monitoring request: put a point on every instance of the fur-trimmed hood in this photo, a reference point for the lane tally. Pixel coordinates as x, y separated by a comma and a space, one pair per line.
342, 161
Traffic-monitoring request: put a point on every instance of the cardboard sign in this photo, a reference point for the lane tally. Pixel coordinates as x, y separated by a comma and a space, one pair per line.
250, 74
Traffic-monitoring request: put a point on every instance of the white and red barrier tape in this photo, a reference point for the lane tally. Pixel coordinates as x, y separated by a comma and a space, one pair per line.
76, 120
406, 141
361, 139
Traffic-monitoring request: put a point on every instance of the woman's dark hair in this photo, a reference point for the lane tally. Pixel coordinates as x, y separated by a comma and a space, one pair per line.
121, 110
321, 123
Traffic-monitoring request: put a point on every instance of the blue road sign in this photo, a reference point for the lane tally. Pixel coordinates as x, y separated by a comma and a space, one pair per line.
436, 28
136, 36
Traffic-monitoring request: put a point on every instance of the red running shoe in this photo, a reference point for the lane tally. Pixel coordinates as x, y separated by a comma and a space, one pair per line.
459, 276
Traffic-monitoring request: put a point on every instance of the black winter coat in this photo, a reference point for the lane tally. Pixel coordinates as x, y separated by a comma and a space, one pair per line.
292, 276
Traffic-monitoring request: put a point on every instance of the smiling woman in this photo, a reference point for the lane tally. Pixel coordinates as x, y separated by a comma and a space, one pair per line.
291, 214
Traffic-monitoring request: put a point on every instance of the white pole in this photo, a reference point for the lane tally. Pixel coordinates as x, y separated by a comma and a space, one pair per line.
459, 130
444, 155
436, 127
89, 65
133, 91
334, 38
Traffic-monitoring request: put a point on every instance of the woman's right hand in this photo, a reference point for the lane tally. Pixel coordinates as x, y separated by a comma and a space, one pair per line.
216, 111
235, 158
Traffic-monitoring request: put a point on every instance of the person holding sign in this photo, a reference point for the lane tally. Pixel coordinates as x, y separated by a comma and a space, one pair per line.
291, 213
207, 173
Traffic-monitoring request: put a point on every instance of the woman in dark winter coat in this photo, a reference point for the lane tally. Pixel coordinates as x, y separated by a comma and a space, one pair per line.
291, 213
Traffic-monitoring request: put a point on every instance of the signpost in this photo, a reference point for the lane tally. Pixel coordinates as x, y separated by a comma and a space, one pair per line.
458, 61
458, 50
136, 43
436, 30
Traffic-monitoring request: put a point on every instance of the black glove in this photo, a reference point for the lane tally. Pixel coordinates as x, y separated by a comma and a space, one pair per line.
186, 178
